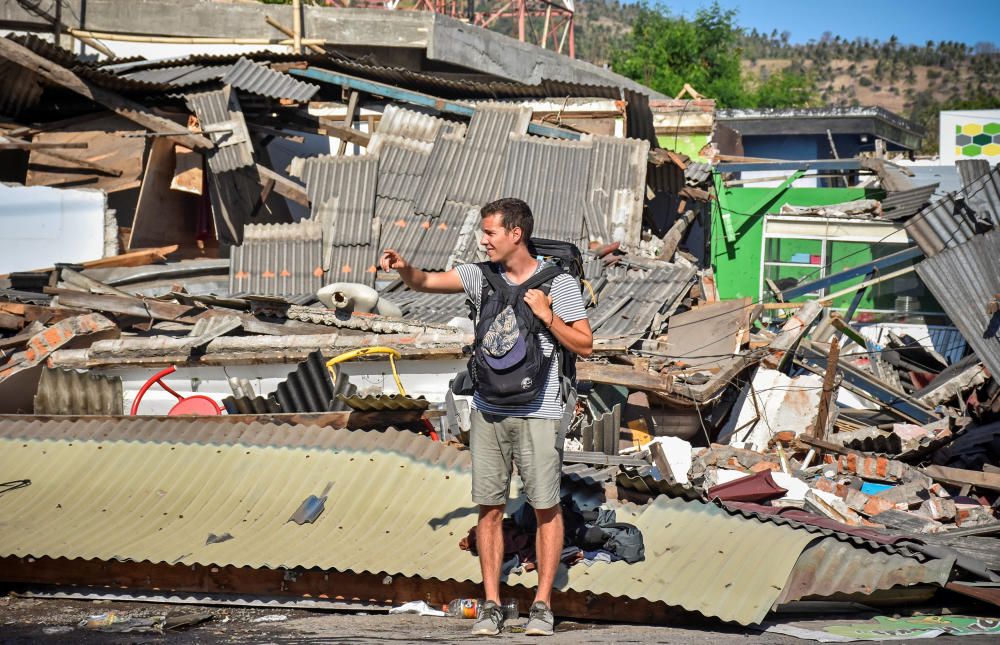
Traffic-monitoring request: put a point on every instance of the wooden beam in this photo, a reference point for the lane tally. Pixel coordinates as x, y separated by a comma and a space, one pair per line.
352, 108
344, 133
284, 186
127, 108
7, 144
634, 379
40, 313
288, 32
960, 476
114, 172
139, 257
826, 398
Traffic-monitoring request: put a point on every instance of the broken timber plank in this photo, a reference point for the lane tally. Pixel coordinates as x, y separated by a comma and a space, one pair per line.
624, 375
127, 108
139, 257
284, 186
83, 163
826, 400
959, 476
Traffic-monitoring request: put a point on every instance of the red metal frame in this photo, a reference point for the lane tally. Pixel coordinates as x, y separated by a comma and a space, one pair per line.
194, 404
549, 22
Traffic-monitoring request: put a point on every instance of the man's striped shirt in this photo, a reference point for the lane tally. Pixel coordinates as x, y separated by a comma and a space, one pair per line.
567, 303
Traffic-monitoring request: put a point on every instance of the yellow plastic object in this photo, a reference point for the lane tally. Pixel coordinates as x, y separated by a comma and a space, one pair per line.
365, 351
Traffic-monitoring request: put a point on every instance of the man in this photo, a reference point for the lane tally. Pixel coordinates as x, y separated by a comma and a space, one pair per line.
530, 435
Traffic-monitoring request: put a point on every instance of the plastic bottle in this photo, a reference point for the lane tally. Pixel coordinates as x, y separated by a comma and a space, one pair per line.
469, 608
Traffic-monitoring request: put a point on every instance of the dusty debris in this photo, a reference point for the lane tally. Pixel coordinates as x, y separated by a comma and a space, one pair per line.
756, 384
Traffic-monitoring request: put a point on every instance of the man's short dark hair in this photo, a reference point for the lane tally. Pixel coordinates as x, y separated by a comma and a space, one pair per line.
514, 213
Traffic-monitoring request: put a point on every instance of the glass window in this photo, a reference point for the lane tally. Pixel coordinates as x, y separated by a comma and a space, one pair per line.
790, 251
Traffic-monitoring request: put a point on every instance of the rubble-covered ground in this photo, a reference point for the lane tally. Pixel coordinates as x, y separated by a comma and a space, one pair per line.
30, 620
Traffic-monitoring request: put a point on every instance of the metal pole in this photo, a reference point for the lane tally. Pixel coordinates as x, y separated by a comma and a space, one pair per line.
57, 23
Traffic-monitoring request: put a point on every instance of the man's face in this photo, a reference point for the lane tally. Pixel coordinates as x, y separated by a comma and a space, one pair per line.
498, 241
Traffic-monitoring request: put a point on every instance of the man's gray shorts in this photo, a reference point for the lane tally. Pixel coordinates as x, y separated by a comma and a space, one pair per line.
535, 445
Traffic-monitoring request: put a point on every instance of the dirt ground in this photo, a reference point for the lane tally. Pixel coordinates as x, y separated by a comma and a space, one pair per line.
29, 620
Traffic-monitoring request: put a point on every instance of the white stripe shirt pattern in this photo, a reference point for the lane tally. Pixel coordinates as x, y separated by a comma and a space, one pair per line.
567, 303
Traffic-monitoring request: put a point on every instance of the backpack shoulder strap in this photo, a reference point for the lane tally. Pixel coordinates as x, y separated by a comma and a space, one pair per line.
491, 277
542, 279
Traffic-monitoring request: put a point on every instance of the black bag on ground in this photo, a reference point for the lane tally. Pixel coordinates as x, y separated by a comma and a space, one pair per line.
522, 381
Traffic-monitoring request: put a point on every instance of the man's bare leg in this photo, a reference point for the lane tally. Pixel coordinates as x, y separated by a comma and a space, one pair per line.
489, 541
548, 548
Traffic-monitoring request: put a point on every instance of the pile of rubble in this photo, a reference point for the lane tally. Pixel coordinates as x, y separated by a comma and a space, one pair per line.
248, 262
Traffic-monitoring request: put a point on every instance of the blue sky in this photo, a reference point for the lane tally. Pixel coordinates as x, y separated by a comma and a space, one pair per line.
912, 21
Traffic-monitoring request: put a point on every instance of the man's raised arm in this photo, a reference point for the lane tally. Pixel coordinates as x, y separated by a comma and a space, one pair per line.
430, 282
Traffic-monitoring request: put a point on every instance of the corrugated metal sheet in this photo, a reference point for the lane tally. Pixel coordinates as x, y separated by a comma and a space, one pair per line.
470, 169
180, 76
438, 84
259, 79
982, 194
401, 167
617, 165
278, 260
157, 502
630, 299
485, 151
962, 278
970, 170
601, 435
401, 231
71, 392
441, 173
952, 220
440, 239
221, 109
26, 297
374, 402
342, 191
85, 69
310, 387
401, 122
429, 307
697, 173
250, 405
551, 176
831, 566
22, 88
903, 204
214, 432
356, 263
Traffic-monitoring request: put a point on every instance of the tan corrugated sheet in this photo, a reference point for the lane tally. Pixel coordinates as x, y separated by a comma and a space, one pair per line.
386, 513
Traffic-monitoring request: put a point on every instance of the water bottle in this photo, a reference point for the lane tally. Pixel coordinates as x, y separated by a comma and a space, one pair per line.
469, 608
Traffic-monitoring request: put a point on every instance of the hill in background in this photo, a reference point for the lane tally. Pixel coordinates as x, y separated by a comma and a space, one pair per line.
915, 81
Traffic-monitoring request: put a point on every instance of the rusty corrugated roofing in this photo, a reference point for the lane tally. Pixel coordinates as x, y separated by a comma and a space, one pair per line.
71, 392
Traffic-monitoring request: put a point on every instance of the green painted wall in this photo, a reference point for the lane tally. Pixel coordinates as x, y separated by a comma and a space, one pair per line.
737, 264
688, 144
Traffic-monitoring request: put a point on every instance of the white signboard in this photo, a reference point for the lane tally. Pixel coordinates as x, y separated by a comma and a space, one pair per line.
970, 134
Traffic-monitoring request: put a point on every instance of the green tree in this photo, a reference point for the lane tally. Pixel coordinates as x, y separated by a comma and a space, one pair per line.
664, 52
788, 88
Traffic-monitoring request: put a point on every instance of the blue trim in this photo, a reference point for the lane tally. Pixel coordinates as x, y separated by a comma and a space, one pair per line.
416, 98
898, 257
818, 164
